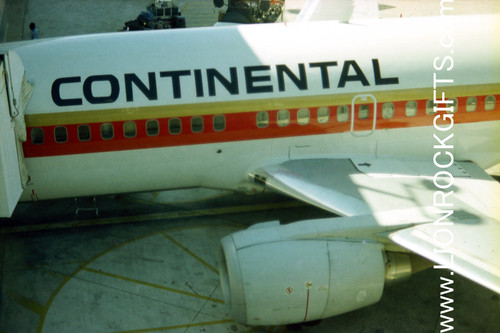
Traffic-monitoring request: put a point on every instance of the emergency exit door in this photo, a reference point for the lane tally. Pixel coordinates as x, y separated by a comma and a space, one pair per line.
363, 115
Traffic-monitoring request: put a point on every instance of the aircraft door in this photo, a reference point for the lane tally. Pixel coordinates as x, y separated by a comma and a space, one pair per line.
15, 92
363, 115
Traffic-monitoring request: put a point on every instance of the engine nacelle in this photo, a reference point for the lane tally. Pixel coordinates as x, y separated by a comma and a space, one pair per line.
268, 279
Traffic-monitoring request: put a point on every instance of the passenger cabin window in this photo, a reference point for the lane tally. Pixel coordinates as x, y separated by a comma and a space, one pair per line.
411, 109
323, 115
387, 110
129, 129
283, 118
37, 137
471, 104
83, 132
490, 103
454, 104
364, 111
429, 107
342, 113
219, 122
61, 134
262, 119
303, 116
107, 132
152, 127
197, 124
174, 126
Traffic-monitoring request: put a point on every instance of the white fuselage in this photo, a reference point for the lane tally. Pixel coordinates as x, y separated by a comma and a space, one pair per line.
228, 100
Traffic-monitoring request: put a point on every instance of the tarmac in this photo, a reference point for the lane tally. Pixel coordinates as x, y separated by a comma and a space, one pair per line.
56, 18
146, 262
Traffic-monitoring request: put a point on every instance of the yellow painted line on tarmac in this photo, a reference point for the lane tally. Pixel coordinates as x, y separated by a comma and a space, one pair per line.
152, 285
51, 299
67, 278
168, 328
152, 217
26, 302
192, 254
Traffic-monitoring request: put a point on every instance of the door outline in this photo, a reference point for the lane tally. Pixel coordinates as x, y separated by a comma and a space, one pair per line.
363, 97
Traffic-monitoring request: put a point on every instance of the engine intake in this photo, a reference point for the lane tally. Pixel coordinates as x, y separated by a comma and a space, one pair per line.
269, 278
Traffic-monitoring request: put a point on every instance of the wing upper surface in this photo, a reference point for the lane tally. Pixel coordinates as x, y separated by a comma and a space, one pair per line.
462, 204
317, 182
468, 245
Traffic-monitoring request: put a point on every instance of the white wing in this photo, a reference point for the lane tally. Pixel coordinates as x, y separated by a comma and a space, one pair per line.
457, 227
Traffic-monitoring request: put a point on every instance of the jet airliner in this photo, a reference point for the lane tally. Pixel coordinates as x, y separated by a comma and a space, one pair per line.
387, 123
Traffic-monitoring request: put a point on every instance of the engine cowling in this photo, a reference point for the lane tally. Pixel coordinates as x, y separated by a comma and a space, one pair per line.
269, 278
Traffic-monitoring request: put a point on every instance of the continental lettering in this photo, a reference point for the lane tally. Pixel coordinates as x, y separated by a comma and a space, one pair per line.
323, 66
299, 81
357, 76
379, 80
176, 80
150, 91
56, 91
198, 82
213, 82
253, 78
231, 85
105, 83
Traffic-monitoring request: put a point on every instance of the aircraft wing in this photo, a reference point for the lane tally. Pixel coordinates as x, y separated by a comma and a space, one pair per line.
461, 201
341, 10
317, 183
469, 246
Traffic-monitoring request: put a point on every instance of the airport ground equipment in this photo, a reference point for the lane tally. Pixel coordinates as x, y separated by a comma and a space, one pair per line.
162, 14
250, 11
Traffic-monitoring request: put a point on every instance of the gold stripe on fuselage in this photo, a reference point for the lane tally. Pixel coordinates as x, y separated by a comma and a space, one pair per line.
228, 107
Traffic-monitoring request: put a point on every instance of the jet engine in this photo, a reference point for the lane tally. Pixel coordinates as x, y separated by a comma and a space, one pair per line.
275, 275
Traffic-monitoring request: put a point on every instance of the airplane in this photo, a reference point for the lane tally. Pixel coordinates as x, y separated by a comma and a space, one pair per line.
388, 124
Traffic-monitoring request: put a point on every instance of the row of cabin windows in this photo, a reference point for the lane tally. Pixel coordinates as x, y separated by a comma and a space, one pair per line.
470, 104
323, 115
107, 130
343, 111
283, 120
